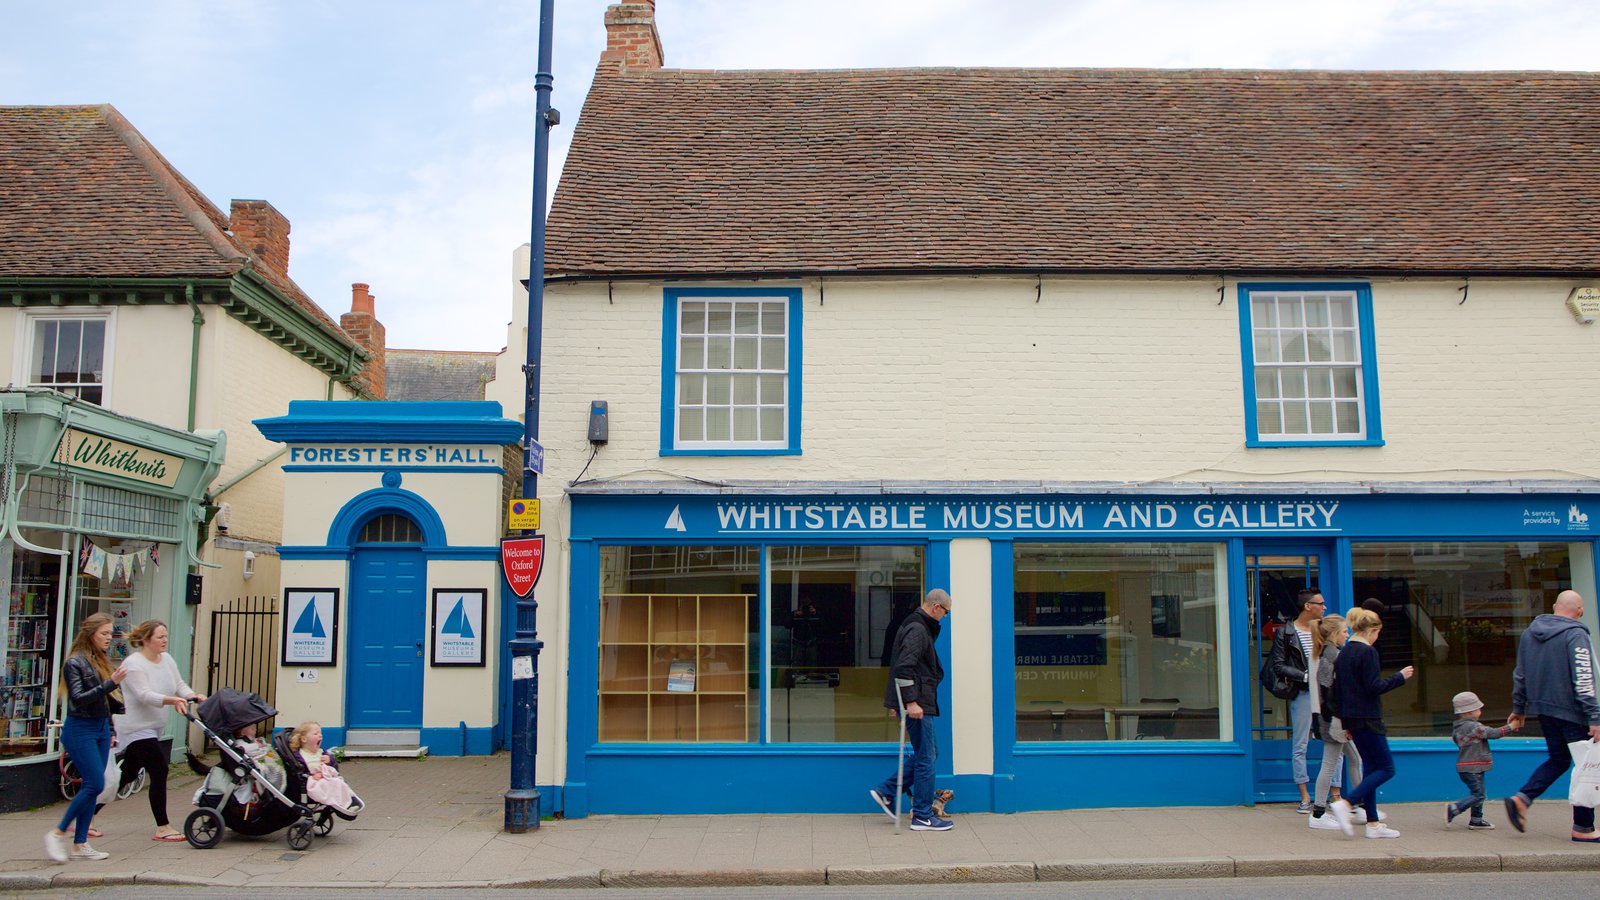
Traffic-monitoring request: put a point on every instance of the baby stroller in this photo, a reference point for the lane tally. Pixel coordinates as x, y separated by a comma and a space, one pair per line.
249, 791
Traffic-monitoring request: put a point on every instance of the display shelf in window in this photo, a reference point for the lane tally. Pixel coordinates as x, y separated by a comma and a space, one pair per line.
674, 668
27, 650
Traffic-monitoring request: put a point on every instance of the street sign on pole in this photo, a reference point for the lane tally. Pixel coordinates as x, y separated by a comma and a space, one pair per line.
523, 562
535, 458
522, 514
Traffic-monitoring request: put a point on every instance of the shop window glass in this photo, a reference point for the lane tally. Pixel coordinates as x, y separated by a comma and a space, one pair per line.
1456, 611
834, 612
27, 649
118, 578
1116, 642
678, 644
69, 355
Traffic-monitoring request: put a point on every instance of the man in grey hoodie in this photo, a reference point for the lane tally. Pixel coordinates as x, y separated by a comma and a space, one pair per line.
1554, 680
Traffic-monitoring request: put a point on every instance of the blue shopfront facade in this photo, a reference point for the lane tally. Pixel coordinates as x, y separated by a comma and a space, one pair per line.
1102, 651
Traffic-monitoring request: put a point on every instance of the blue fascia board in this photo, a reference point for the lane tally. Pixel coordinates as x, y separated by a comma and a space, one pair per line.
380, 421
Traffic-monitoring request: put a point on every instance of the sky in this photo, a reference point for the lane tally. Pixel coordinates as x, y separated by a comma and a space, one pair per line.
397, 135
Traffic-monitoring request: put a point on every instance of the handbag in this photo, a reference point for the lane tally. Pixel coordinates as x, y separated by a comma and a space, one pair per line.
1585, 789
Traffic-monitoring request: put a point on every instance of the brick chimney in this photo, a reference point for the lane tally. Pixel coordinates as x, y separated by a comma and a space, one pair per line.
263, 231
631, 38
362, 324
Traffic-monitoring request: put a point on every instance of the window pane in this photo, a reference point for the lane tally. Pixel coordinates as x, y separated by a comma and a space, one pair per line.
1319, 382
718, 423
1294, 419
1289, 313
691, 424
678, 641
1267, 384
772, 319
68, 346
1266, 346
1321, 418
1456, 612
1342, 311
94, 345
1344, 382
771, 388
691, 389
91, 394
1263, 313
834, 612
1318, 346
1348, 418
692, 354
1294, 346
744, 353
719, 353
692, 318
744, 423
1344, 346
746, 318
1316, 307
771, 423
719, 389
1116, 642
773, 353
1294, 382
719, 318
1269, 418
744, 389
44, 353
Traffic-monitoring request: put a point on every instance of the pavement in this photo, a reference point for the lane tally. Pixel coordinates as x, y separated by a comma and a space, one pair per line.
436, 823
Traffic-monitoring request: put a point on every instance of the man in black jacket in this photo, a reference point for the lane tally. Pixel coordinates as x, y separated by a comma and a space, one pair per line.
1291, 654
915, 660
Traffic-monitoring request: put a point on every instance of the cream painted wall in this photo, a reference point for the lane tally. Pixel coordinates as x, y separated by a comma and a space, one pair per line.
324, 700
453, 694
972, 643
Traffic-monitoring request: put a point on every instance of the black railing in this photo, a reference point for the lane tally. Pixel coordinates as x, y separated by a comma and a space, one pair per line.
244, 648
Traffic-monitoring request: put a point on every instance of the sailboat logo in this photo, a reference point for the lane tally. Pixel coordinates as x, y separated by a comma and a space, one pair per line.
675, 520
456, 623
310, 623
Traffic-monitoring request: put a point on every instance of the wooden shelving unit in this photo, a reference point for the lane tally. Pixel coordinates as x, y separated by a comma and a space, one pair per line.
642, 635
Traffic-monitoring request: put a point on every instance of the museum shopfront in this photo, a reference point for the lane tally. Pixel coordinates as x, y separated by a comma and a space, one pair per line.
727, 652
101, 516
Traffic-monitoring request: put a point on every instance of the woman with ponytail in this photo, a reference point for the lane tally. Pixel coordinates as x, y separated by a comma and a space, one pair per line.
153, 685
91, 686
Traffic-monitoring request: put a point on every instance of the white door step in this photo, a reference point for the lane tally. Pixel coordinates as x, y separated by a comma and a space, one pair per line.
386, 736
392, 751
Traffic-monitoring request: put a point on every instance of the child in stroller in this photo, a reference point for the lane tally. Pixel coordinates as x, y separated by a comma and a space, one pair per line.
324, 783
254, 789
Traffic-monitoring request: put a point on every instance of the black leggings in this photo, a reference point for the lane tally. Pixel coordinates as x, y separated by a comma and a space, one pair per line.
146, 754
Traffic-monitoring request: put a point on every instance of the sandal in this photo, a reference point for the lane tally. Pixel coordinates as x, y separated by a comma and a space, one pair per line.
96, 833
1591, 839
1515, 814
172, 838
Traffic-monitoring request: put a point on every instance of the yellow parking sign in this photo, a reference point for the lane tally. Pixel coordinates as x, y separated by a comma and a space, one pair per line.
522, 514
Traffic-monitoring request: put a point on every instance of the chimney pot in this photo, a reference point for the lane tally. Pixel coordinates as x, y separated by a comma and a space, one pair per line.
361, 299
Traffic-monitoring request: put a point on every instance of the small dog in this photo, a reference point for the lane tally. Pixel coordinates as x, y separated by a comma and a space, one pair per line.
940, 798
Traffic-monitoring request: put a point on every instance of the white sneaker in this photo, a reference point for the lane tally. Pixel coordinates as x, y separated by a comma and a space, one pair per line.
84, 851
1380, 830
1340, 810
1360, 816
55, 846
1326, 822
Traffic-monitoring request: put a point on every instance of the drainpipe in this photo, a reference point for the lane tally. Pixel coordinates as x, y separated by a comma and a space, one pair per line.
194, 351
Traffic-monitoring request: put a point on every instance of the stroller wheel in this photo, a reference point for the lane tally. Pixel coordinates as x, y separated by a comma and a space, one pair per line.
203, 828
324, 823
300, 834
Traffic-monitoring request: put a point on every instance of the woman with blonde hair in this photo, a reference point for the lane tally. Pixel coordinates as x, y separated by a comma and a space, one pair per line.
153, 685
1359, 699
1327, 640
90, 684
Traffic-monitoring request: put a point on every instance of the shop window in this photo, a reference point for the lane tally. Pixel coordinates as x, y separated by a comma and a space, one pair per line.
27, 650
68, 354
678, 645
1309, 370
834, 612
118, 578
1117, 642
1456, 611
731, 372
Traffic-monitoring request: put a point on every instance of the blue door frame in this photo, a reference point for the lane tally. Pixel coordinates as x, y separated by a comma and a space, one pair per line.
388, 634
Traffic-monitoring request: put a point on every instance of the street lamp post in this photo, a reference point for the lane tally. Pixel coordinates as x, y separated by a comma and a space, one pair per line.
522, 800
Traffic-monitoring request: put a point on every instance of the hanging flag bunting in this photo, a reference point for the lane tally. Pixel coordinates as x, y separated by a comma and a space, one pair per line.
84, 554
141, 560
97, 563
155, 556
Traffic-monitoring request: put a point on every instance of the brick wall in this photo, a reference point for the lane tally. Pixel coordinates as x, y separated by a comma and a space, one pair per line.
631, 37
362, 324
263, 231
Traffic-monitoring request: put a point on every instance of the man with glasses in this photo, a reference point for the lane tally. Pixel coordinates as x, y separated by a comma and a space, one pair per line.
915, 660
1291, 655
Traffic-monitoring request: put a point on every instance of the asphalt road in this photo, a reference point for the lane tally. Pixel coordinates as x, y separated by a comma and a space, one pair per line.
1543, 885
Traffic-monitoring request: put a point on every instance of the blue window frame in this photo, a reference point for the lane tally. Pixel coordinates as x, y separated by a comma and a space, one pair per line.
1310, 365
730, 372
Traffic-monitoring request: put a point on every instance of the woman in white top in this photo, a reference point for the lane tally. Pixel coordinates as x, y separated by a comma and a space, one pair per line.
152, 685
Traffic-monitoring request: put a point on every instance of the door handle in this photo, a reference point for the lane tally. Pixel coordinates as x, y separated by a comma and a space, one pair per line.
419, 648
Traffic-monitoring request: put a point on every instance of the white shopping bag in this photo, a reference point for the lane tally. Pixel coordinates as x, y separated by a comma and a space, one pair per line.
114, 775
1585, 790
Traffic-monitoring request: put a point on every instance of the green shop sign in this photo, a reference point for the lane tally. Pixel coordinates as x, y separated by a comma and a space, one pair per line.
94, 453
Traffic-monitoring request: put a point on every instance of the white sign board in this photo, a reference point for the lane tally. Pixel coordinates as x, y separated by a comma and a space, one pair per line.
310, 626
458, 626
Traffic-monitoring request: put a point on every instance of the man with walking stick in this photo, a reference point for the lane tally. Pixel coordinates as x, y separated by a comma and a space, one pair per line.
913, 693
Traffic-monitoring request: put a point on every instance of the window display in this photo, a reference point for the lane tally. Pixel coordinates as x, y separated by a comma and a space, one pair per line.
27, 651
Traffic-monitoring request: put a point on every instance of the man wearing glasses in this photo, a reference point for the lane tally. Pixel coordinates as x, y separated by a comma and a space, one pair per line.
1291, 655
915, 671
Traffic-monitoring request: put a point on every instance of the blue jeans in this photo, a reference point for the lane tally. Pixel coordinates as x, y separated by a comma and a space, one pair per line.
1379, 766
1557, 734
1300, 722
918, 782
87, 743
1474, 802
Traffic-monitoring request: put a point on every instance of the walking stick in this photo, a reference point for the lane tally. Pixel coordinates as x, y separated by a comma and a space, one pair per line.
900, 751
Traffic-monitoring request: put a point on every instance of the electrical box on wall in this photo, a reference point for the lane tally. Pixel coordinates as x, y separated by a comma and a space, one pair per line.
191, 590
599, 429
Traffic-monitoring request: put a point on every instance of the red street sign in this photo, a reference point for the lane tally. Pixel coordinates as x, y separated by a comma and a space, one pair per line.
523, 560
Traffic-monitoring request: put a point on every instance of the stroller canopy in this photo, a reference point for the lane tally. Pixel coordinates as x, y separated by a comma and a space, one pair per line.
228, 710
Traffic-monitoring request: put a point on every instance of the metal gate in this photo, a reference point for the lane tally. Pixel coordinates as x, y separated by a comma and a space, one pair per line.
244, 645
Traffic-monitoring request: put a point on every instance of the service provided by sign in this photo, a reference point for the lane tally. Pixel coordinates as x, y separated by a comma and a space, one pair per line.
458, 626
522, 515
310, 626
523, 561
93, 453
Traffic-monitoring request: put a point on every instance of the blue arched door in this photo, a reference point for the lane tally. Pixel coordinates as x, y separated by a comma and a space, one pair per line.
388, 626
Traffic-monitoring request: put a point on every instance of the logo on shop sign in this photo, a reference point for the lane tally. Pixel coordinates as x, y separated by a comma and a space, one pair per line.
1577, 519
523, 560
675, 521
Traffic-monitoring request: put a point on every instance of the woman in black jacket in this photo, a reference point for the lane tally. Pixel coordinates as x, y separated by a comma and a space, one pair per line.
1358, 690
91, 684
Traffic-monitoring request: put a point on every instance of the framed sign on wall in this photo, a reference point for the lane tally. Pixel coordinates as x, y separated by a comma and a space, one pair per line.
310, 626
458, 626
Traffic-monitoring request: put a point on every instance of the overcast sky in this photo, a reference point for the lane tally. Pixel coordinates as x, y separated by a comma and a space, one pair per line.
397, 135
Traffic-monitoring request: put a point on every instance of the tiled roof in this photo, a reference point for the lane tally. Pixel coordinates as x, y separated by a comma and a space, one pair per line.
709, 172
84, 195
437, 374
